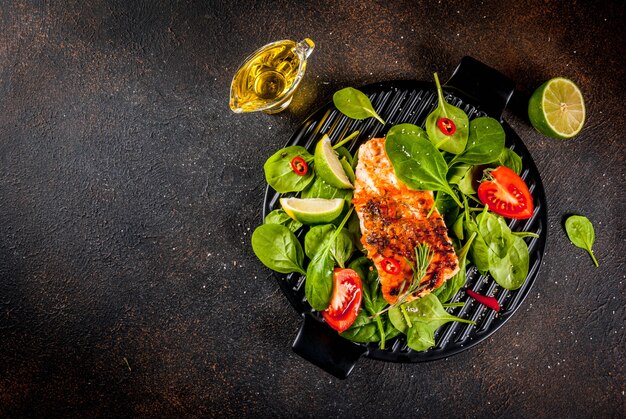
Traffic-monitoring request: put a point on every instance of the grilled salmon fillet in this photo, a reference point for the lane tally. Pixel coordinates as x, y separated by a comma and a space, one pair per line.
394, 220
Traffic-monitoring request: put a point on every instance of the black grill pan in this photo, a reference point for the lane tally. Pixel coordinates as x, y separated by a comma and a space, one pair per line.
480, 91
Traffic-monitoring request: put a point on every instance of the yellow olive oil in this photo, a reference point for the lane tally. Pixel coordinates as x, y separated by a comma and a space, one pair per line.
267, 79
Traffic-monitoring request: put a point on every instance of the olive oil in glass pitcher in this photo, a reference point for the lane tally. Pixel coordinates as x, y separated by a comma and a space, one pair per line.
268, 78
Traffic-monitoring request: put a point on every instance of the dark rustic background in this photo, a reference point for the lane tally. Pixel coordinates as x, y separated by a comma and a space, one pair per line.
128, 192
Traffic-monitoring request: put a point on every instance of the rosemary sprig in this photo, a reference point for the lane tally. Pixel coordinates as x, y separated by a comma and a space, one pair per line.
423, 257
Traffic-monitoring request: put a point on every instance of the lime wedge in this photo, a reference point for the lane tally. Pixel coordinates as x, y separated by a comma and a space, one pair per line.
328, 166
557, 108
312, 210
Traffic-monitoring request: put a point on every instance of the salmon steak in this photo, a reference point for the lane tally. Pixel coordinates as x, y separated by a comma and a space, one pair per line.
394, 219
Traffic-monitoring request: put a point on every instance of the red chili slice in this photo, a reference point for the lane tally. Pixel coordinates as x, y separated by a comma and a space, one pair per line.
299, 166
446, 125
490, 302
391, 266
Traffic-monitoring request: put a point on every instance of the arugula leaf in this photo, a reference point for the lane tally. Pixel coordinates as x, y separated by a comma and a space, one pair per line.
456, 142
280, 175
355, 104
581, 233
279, 216
454, 284
510, 159
485, 143
278, 248
416, 161
320, 236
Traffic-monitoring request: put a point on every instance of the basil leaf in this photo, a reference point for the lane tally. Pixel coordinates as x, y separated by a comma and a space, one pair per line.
280, 175
581, 233
417, 162
279, 216
318, 286
319, 237
510, 271
456, 142
320, 189
278, 248
355, 104
485, 143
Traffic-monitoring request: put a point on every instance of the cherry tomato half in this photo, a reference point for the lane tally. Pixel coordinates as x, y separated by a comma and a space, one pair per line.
390, 265
299, 166
345, 301
507, 194
446, 126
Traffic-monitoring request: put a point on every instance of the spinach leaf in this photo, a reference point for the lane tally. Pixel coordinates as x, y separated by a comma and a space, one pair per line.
456, 142
319, 237
510, 271
354, 228
320, 189
278, 248
454, 284
446, 206
457, 172
510, 159
494, 231
318, 286
363, 330
355, 104
457, 227
580, 232
479, 252
280, 175
469, 182
279, 216
485, 143
416, 161
343, 152
347, 167
524, 234
419, 320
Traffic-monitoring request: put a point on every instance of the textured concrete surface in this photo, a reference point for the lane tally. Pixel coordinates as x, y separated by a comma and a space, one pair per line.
128, 192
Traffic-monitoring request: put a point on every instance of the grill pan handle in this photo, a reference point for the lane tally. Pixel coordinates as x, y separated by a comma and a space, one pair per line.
322, 346
488, 87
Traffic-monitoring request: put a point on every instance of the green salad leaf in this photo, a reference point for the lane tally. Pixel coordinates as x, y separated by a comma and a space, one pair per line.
280, 175
510, 271
279, 216
355, 104
485, 143
416, 161
454, 284
456, 142
320, 236
320, 189
581, 233
510, 159
278, 248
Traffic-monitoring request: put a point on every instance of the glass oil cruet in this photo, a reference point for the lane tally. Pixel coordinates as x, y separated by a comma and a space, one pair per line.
268, 78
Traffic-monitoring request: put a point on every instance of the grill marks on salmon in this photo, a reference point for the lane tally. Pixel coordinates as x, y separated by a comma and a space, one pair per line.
394, 220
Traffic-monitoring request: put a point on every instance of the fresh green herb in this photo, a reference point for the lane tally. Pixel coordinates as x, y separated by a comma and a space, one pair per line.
454, 143
510, 159
423, 257
454, 284
318, 237
510, 271
416, 162
279, 173
419, 320
278, 248
320, 189
346, 140
580, 232
318, 286
355, 104
485, 143
279, 216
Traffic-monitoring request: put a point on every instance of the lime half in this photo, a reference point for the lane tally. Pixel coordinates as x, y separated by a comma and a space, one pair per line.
312, 210
557, 108
328, 166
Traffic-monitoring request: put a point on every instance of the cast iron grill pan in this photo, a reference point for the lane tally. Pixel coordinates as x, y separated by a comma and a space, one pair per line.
479, 91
